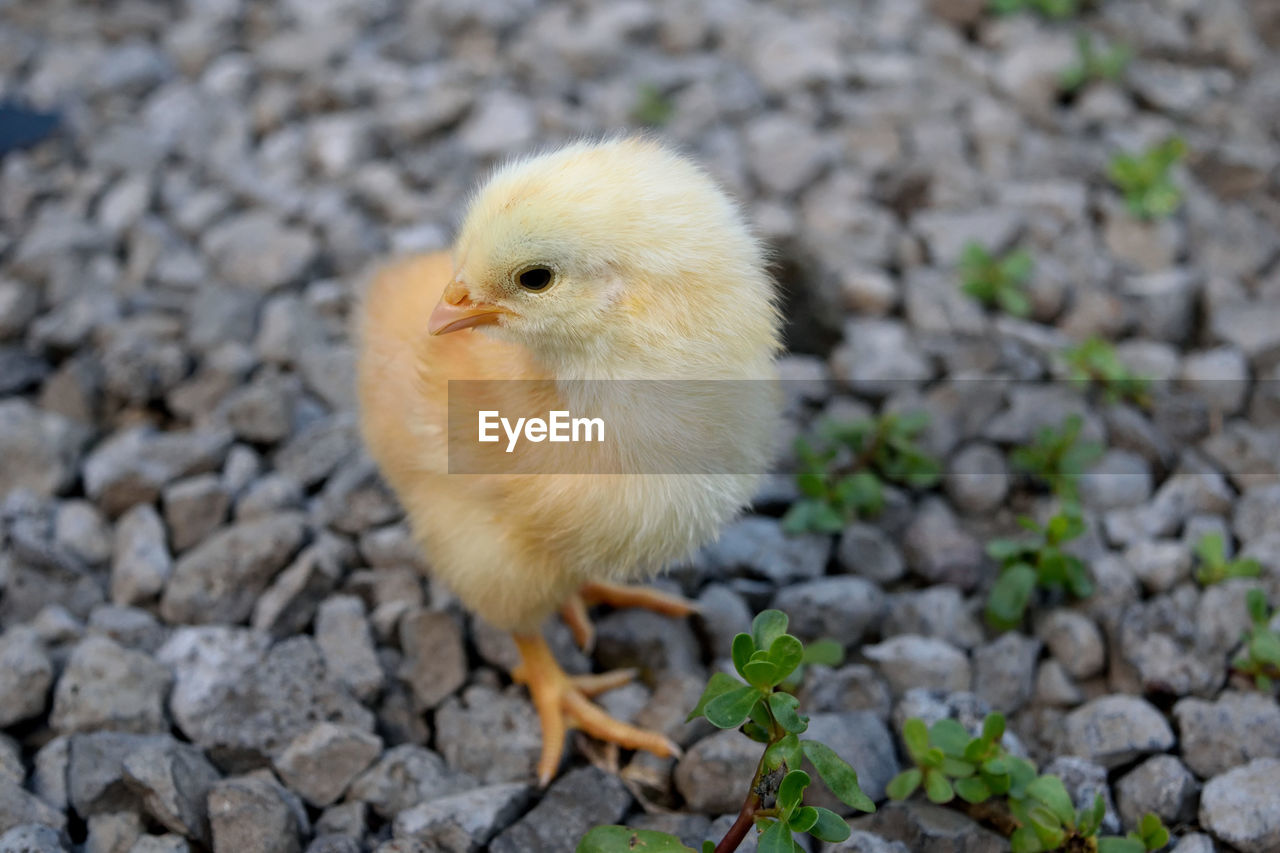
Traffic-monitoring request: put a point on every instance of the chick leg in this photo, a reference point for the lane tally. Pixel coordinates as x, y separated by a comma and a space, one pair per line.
574, 611
562, 703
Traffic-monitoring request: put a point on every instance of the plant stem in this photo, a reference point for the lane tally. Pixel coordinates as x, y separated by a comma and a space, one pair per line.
741, 826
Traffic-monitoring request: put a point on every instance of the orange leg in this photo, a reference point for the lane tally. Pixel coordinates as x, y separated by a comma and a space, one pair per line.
574, 611
562, 702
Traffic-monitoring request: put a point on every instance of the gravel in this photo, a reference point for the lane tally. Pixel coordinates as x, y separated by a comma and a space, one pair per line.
215, 630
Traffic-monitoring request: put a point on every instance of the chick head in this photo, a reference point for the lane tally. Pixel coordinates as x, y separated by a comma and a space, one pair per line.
600, 249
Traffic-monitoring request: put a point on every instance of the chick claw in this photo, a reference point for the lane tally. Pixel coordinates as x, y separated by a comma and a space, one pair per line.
574, 611
562, 702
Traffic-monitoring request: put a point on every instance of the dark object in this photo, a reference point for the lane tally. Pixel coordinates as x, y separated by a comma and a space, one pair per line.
21, 127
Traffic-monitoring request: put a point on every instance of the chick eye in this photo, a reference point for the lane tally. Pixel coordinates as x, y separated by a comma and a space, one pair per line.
536, 278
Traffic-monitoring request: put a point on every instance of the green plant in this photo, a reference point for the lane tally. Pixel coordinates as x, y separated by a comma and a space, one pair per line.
843, 470
1054, 9
652, 106
1145, 180
997, 281
1211, 551
1260, 658
764, 660
1095, 362
1038, 562
1036, 812
1057, 457
1095, 63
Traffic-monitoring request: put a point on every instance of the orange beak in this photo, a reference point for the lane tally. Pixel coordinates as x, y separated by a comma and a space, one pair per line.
456, 310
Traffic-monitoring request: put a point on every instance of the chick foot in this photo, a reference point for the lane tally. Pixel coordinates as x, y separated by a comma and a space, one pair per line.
574, 611
562, 702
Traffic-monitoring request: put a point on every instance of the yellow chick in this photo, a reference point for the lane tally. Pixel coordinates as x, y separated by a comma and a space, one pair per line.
576, 270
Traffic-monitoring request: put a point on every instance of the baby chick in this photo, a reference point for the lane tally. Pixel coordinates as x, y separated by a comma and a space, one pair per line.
616, 260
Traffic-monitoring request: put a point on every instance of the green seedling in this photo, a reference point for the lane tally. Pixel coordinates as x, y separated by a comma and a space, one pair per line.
1094, 363
1036, 812
1095, 63
764, 660
1038, 562
652, 107
997, 282
1057, 457
1260, 658
843, 470
1057, 10
1146, 178
1211, 553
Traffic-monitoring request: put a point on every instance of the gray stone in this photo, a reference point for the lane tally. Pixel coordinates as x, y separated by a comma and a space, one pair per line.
878, 357
11, 759
866, 842
1004, 671
1162, 784
112, 831
435, 662
404, 776
1084, 781
26, 674
936, 611
1120, 478
251, 814
701, 773
1219, 375
268, 495
843, 609
1248, 327
758, 547
19, 303
1242, 806
947, 232
464, 731
132, 466
1217, 736
140, 563
289, 604
463, 822
1113, 730
194, 508
345, 642
977, 479
32, 838
1075, 642
1257, 513
244, 704
648, 641
910, 660
106, 686
1159, 565
784, 157
574, 803
40, 449
334, 844
18, 808
218, 580
924, 826
262, 412
502, 121
95, 776
867, 551
722, 614
316, 450
49, 772
81, 529
320, 763
254, 250
173, 780
939, 551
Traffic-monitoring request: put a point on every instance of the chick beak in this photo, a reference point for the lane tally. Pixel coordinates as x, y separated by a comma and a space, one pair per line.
456, 310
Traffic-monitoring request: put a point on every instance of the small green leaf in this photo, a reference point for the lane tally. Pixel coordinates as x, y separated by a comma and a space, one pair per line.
729, 710
915, 734
776, 839
719, 684
783, 706
803, 819
1010, 596
1050, 791
785, 751
949, 736
621, 839
785, 654
791, 791
829, 827
838, 775
811, 485
1116, 844
708, 847
768, 626
904, 784
825, 652
937, 788
1153, 831
972, 790
743, 648
1024, 840
993, 727
761, 674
